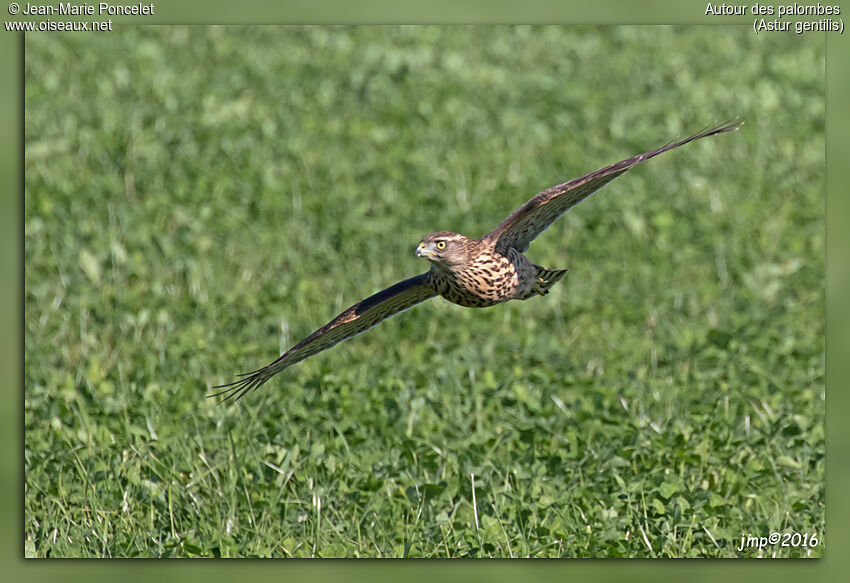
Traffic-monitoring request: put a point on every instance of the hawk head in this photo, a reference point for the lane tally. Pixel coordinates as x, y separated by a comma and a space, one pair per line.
445, 247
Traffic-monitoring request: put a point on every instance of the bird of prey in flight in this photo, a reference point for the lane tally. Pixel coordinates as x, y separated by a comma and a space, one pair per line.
469, 272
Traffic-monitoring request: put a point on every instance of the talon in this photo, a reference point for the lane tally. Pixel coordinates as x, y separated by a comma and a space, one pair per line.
537, 288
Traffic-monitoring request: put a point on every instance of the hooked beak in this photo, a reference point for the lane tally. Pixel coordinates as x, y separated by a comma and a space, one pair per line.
422, 251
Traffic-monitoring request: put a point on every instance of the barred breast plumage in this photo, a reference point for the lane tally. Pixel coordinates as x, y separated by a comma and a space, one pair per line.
479, 276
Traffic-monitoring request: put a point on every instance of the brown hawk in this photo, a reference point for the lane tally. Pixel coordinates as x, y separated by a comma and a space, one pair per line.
470, 272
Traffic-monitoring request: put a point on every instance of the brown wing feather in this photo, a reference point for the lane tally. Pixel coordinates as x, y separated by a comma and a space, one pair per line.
355, 320
535, 216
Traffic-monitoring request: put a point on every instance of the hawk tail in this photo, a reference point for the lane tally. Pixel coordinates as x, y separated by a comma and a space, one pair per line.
546, 278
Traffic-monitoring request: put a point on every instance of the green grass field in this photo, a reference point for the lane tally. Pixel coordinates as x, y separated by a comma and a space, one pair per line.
199, 199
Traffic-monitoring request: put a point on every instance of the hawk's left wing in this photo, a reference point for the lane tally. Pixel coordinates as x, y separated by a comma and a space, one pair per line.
355, 320
535, 216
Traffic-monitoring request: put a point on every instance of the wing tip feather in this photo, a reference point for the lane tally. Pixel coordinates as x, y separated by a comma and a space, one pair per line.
239, 388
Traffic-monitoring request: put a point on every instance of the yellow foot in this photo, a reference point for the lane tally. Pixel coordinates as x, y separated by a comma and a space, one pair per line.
540, 290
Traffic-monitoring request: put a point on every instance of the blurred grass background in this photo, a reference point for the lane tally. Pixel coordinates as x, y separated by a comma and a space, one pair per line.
200, 198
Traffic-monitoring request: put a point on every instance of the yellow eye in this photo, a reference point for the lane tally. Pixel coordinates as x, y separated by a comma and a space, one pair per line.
441, 245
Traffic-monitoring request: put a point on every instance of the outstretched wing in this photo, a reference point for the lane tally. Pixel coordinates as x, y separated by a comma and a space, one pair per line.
535, 216
355, 320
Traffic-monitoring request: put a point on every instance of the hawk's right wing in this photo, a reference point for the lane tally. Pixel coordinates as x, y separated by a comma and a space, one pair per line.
535, 216
355, 320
